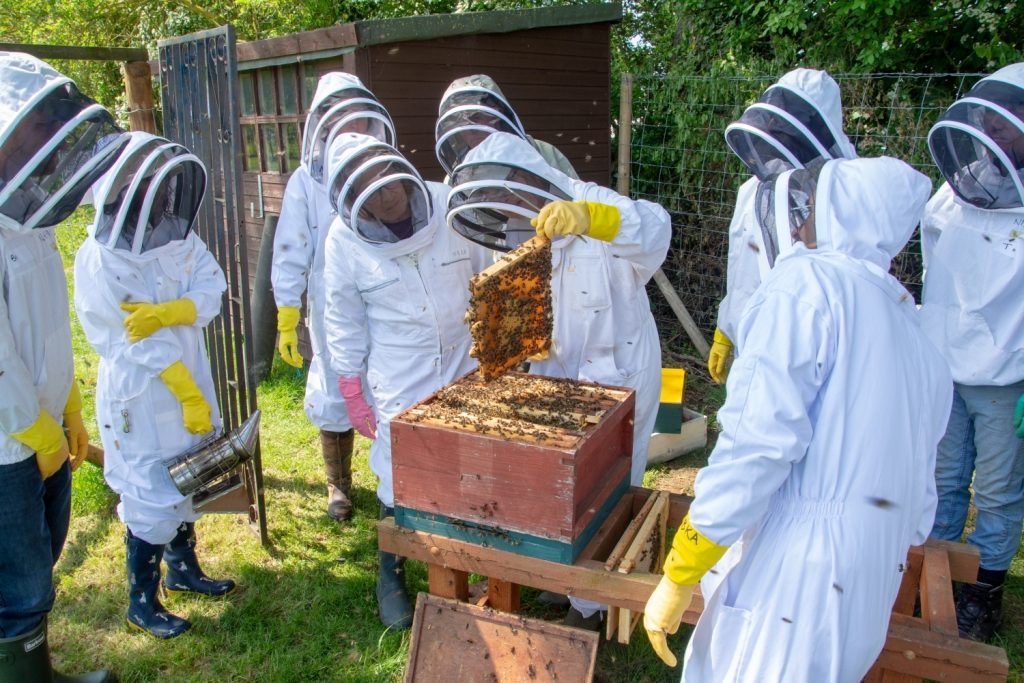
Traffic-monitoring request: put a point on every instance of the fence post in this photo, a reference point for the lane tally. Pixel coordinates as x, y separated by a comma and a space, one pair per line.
138, 88
625, 131
625, 147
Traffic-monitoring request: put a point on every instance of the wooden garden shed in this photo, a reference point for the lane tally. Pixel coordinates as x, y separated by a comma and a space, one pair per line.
553, 64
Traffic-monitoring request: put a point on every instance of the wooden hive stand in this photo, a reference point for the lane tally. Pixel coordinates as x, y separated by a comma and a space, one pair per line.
916, 648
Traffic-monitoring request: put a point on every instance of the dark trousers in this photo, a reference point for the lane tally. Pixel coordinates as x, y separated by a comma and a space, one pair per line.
34, 518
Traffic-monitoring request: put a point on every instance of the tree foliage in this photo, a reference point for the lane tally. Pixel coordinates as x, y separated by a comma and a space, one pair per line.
933, 36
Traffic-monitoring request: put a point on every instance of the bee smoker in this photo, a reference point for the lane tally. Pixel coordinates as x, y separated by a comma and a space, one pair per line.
211, 459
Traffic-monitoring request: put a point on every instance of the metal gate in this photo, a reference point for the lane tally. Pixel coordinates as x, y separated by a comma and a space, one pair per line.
198, 77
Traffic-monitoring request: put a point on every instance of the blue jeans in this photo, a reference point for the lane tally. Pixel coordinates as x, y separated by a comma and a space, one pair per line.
980, 441
34, 518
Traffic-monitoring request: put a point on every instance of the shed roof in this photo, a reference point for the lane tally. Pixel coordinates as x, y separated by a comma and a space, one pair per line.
334, 40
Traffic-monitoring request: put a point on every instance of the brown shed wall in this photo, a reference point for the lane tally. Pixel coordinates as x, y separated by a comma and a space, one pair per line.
556, 78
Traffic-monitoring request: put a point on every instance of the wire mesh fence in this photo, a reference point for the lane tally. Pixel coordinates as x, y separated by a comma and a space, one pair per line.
680, 160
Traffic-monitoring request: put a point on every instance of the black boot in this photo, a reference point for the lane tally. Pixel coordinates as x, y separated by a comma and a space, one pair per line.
144, 609
576, 619
337, 452
183, 572
27, 658
392, 600
979, 610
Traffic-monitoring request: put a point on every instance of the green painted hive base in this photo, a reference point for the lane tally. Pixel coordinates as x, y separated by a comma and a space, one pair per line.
507, 540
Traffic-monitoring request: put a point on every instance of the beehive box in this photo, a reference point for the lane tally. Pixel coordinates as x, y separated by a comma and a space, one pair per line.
524, 463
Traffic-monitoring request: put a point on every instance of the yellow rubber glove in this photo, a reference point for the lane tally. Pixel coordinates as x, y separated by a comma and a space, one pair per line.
145, 319
600, 221
194, 408
718, 357
692, 555
77, 435
662, 614
46, 438
287, 338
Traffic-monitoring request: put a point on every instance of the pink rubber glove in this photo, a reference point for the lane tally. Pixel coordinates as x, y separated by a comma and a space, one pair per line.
359, 411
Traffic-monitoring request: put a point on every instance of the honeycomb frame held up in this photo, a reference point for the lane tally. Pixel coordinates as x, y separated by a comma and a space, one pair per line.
510, 313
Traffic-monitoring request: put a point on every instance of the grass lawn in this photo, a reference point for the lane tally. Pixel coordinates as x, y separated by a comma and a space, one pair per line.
305, 609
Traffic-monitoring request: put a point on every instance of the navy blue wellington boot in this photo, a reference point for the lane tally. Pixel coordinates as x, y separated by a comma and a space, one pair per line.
392, 600
144, 609
183, 572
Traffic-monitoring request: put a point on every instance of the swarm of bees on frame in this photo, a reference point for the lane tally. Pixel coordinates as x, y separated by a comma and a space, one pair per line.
510, 316
517, 405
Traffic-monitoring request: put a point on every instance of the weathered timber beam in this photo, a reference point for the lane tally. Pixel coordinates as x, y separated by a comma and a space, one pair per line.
912, 649
109, 54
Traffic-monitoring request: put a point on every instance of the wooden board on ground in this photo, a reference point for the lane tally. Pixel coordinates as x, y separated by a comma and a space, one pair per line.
457, 641
510, 316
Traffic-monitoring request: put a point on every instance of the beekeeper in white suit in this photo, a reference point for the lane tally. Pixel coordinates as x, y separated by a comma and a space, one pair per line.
397, 284
605, 248
54, 143
796, 121
472, 108
341, 104
974, 260
145, 287
822, 476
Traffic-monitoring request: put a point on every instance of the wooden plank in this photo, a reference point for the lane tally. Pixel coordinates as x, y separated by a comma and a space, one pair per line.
964, 559
629, 534
106, 54
332, 37
643, 550
446, 582
879, 675
912, 649
611, 622
937, 593
455, 641
906, 598
625, 626
580, 579
503, 595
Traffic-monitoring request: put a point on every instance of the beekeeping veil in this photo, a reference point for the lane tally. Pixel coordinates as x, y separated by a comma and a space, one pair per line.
341, 104
865, 209
978, 144
151, 196
54, 143
784, 210
502, 183
796, 120
471, 109
377, 193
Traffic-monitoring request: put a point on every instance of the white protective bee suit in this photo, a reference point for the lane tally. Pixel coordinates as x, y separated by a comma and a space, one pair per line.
306, 215
603, 329
796, 120
128, 258
974, 271
395, 309
822, 475
54, 143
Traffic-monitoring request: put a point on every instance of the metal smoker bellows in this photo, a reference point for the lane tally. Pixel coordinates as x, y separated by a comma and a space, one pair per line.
211, 459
